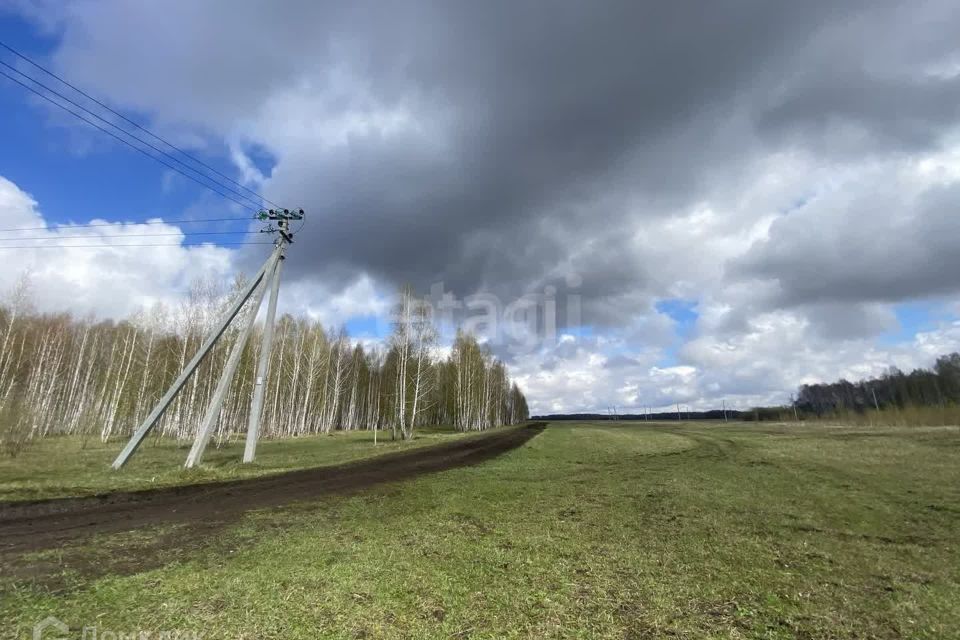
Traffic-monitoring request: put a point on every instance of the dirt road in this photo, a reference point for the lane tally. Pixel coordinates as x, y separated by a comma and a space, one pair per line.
47, 524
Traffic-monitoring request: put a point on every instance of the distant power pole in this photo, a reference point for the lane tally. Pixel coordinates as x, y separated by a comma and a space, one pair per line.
678, 412
268, 275
724, 404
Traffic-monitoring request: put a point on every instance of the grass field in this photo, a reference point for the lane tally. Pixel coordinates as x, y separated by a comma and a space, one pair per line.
68, 466
587, 531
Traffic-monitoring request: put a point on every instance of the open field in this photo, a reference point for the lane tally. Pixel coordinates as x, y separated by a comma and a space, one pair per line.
587, 530
69, 466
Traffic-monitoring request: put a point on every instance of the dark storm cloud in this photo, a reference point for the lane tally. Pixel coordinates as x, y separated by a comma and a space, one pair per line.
542, 135
862, 253
901, 114
583, 119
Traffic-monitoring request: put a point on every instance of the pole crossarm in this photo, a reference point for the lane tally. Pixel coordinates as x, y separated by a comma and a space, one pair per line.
137, 438
280, 214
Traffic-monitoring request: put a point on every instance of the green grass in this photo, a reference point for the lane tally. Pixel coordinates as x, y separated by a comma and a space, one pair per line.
587, 531
894, 417
68, 466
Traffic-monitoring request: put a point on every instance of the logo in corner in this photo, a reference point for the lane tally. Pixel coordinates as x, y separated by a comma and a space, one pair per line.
54, 624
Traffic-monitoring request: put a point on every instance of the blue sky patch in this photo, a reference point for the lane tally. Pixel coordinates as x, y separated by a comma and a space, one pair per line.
368, 326
78, 173
914, 318
684, 315
261, 158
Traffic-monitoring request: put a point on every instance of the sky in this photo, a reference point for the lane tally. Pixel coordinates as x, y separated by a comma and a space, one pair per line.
635, 204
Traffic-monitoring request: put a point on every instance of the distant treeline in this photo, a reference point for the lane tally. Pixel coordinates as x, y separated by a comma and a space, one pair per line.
713, 414
895, 389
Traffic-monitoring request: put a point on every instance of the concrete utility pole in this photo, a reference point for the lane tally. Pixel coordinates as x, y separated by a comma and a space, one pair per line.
268, 273
678, 412
724, 404
263, 369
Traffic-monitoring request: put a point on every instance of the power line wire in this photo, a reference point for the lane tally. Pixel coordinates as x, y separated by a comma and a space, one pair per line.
113, 224
129, 144
249, 201
134, 235
111, 246
138, 126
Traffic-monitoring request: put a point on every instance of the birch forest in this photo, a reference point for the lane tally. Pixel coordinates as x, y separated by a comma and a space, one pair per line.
98, 379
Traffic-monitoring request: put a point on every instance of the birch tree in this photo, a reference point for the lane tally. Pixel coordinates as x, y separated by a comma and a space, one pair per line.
61, 375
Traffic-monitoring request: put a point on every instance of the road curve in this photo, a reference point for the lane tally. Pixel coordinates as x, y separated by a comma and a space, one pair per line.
34, 526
